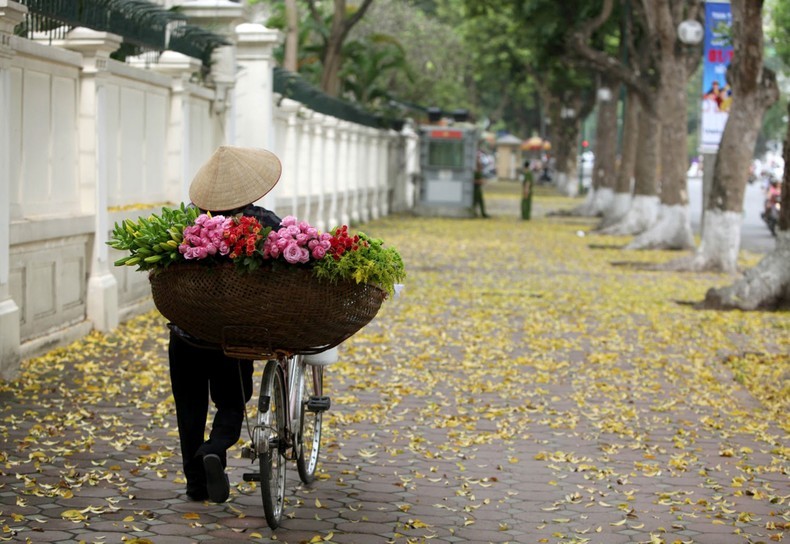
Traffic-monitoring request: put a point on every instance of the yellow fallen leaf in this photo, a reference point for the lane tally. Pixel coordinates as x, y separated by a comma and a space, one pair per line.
73, 515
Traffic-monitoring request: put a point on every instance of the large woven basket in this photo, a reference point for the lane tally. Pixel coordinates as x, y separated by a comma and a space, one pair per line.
269, 310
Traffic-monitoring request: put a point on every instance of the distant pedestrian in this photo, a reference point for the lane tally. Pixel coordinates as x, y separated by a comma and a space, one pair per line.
527, 185
479, 181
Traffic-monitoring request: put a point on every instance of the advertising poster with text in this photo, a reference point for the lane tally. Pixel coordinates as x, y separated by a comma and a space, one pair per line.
716, 92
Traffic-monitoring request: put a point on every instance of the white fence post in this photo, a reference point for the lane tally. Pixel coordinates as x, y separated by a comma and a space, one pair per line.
317, 175
95, 47
11, 14
330, 170
383, 172
286, 191
342, 172
375, 179
304, 154
355, 213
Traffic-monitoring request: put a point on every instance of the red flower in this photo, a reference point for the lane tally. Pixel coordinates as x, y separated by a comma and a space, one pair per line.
243, 236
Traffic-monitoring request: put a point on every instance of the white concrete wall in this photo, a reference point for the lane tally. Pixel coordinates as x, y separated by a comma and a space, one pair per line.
86, 141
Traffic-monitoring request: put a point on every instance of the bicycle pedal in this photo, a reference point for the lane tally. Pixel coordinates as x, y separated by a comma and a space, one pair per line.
251, 476
318, 404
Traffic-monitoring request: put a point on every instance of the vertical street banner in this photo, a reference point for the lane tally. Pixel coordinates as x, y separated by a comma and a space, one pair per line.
716, 92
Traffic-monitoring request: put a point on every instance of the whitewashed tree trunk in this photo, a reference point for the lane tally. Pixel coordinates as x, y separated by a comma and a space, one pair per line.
754, 89
567, 184
617, 209
595, 203
621, 199
604, 175
640, 216
585, 209
671, 231
719, 247
721, 239
766, 286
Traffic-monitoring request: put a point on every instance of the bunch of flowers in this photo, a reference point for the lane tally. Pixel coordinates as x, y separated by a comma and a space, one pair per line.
296, 242
243, 235
206, 237
340, 242
184, 234
362, 259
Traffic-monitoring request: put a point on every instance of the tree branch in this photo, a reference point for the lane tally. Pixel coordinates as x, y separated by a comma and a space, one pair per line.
314, 13
354, 19
587, 29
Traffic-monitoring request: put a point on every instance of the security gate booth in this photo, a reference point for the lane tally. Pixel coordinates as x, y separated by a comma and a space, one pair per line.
447, 164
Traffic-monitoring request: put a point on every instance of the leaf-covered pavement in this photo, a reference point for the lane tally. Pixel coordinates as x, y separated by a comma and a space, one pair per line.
522, 389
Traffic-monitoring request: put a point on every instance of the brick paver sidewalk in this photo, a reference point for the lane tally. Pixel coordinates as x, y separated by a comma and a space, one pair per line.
522, 390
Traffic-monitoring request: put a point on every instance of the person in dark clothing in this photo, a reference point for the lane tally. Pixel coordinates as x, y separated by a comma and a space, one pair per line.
479, 181
526, 192
228, 184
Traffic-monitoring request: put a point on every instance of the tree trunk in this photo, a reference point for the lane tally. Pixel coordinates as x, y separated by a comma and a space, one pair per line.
754, 90
332, 58
603, 174
767, 285
291, 36
330, 74
621, 200
673, 228
644, 206
564, 135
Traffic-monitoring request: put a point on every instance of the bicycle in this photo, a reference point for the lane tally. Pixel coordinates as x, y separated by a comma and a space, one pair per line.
290, 407
288, 425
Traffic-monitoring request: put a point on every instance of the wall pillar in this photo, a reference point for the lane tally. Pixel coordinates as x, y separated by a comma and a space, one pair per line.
11, 14
95, 47
254, 94
220, 17
180, 67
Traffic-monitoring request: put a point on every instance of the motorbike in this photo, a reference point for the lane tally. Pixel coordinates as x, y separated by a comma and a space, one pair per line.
771, 214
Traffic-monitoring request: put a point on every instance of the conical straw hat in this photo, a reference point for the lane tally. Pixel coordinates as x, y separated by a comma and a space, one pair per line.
234, 177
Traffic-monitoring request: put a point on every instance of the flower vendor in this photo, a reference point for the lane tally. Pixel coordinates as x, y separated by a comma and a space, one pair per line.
226, 186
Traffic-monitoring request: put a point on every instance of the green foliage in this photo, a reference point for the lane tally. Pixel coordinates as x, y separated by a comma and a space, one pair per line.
434, 72
780, 21
366, 61
371, 263
369, 61
152, 241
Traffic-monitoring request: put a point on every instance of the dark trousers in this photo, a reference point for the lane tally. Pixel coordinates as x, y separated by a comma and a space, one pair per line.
477, 199
196, 373
526, 207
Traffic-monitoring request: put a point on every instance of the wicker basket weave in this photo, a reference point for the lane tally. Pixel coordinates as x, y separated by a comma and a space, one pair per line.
268, 310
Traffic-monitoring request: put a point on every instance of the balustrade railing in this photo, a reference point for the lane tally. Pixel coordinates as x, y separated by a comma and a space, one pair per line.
88, 141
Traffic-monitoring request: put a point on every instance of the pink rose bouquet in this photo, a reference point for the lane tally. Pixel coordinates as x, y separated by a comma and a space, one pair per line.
296, 242
206, 237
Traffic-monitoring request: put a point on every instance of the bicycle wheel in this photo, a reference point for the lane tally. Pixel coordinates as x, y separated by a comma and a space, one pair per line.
271, 442
312, 406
